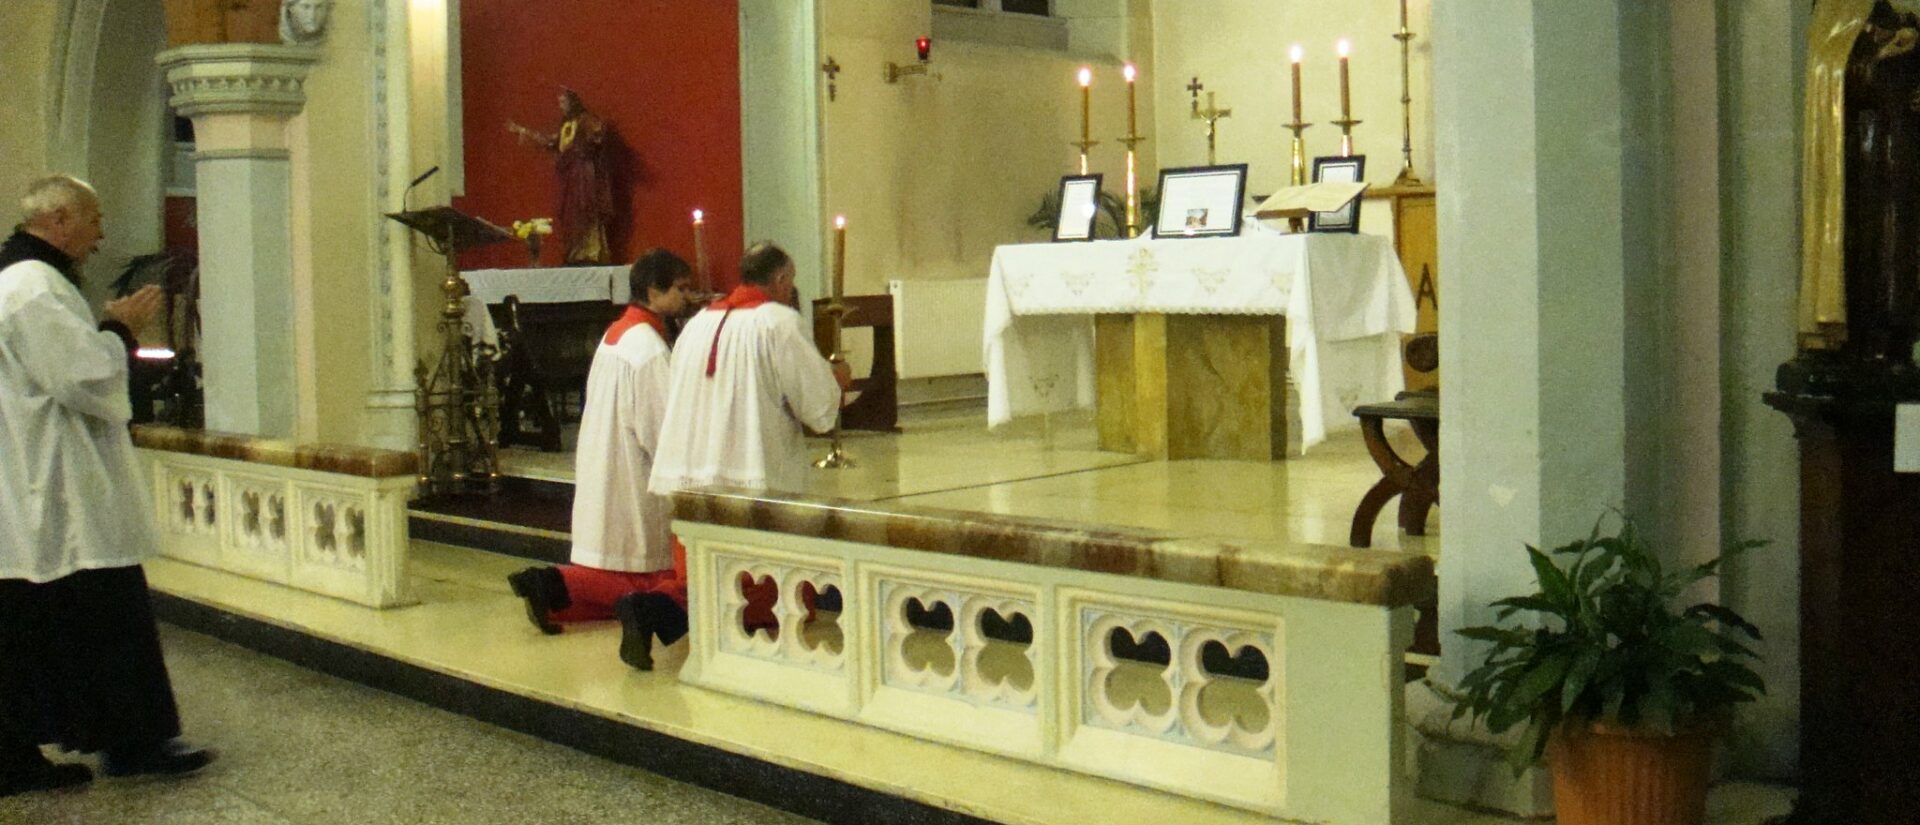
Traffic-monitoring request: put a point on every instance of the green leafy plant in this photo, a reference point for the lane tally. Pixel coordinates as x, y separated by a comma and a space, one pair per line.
1608, 645
1111, 219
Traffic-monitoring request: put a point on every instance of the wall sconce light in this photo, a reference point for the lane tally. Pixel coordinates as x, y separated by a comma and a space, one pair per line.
923, 46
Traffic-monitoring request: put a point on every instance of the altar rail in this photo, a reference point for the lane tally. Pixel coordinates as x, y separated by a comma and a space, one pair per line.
1248, 674
329, 519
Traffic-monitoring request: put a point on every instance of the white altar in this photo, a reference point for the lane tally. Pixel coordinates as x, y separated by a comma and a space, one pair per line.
1345, 299
538, 286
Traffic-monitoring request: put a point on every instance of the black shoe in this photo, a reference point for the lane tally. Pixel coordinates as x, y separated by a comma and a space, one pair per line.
170, 758
544, 592
643, 617
43, 776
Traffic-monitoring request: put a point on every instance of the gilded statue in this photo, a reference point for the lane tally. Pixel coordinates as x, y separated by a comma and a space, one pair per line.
586, 187
1860, 274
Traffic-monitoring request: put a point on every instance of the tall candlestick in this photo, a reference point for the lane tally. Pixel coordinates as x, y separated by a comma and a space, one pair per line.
1130, 74
1346, 101
1296, 55
700, 274
1403, 15
839, 256
1086, 115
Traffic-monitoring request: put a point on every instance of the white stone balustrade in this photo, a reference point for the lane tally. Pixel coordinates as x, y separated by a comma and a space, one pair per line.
327, 519
1260, 677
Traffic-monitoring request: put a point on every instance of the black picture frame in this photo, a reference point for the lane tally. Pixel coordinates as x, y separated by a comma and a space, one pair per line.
1348, 168
1074, 193
1195, 201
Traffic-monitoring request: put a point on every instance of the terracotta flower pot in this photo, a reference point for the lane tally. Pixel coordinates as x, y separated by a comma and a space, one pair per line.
1608, 775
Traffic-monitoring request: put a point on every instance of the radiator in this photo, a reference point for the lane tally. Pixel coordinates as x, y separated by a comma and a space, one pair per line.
937, 326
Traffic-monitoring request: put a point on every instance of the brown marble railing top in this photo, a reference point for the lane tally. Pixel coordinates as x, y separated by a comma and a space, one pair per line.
345, 459
1327, 573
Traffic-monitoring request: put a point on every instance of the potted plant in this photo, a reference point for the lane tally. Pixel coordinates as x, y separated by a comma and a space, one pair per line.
1624, 692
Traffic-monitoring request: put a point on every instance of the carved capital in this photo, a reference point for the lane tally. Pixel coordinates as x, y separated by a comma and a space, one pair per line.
238, 78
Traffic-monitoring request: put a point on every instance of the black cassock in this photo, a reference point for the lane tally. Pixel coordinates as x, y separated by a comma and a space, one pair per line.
80, 665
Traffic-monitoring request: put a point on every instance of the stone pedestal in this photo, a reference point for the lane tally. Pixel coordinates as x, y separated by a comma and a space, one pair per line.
240, 97
1859, 559
1192, 386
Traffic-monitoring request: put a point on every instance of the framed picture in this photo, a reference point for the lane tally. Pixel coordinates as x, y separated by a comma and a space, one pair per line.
1079, 207
1201, 201
1349, 169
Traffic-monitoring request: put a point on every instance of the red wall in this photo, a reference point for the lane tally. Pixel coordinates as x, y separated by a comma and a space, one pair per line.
664, 74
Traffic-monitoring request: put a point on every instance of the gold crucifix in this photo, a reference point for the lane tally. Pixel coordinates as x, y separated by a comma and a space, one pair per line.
1212, 115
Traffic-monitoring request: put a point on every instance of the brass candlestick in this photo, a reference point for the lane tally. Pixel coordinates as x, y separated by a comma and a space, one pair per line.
1299, 164
1407, 177
1346, 135
1084, 146
1133, 185
836, 457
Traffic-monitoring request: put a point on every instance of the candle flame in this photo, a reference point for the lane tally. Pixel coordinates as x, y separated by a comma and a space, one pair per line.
1129, 71
699, 216
839, 221
1086, 76
1296, 53
1344, 47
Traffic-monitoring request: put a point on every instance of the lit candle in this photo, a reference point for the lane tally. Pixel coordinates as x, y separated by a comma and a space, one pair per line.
1346, 103
1130, 74
1086, 104
700, 249
839, 256
1403, 15
1296, 54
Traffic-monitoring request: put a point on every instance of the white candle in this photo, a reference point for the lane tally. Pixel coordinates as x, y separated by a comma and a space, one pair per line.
1346, 102
839, 255
1297, 54
700, 249
1130, 73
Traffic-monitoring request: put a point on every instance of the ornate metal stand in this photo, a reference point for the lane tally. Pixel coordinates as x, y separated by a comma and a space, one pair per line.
457, 401
836, 457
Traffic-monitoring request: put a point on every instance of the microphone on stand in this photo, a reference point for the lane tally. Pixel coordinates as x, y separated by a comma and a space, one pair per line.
416, 182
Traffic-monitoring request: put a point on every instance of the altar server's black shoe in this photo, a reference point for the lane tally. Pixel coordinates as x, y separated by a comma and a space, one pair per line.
644, 617
170, 758
544, 593
41, 776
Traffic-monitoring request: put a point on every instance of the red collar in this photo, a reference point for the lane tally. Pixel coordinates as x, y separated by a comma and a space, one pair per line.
633, 317
744, 296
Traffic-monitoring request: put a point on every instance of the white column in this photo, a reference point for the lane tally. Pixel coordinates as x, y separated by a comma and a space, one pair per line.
239, 97
1529, 113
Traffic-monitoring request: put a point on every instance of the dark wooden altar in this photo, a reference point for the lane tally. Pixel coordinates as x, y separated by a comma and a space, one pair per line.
1859, 564
878, 407
546, 351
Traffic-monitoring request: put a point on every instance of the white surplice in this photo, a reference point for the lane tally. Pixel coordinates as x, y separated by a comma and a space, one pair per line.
617, 524
72, 496
741, 426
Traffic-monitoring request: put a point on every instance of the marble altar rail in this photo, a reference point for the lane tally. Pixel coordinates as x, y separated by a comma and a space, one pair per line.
1260, 676
330, 519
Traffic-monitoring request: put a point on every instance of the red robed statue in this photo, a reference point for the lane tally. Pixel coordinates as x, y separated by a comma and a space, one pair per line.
586, 190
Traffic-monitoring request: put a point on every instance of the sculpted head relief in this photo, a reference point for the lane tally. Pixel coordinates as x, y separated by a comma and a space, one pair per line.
304, 22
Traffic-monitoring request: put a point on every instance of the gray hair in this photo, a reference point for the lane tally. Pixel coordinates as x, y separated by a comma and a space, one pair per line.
54, 193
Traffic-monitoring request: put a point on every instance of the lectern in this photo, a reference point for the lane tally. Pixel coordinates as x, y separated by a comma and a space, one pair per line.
458, 405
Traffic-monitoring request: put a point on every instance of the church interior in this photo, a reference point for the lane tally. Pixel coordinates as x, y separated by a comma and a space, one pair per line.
1133, 512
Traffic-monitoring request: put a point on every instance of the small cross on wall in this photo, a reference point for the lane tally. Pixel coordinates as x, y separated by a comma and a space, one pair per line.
832, 70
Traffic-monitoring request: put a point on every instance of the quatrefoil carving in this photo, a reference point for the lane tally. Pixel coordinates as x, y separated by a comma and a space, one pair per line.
999, 651
1231, 698
206, 491
821, 630
356, 532
250, 513
188, 512
276, 517
324, 535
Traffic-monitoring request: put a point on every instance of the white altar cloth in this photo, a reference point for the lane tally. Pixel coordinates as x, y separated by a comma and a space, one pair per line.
550, 286
1345, 298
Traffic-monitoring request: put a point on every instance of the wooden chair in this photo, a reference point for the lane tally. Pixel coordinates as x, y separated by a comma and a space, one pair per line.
1417, 485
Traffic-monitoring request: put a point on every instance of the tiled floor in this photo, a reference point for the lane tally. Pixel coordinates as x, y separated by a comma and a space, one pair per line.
300, 748
1052, 469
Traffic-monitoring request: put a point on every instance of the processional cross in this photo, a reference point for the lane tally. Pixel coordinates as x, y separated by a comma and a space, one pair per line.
1212, 115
